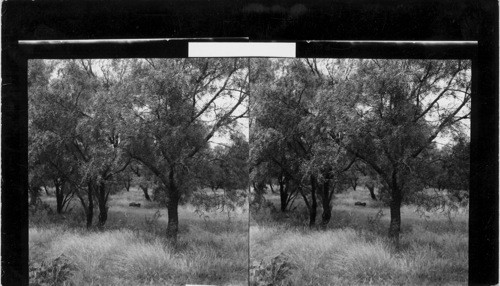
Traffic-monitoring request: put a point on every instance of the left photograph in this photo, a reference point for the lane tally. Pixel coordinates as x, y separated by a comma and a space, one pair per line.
138, 171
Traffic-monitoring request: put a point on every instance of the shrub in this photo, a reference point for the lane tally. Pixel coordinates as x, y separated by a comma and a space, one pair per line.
152, 223
374, 221
40, 213
272, 272
53, 272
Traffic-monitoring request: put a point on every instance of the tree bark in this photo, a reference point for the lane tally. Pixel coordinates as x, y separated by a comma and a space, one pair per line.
395, 206
89, 210
59, 195
327, 207
34, 195
102, 203
173, 219
172, 209
284, 186
257, 199
314, 204
145, 191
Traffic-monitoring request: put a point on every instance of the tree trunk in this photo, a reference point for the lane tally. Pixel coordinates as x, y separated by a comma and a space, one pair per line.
59, 195
354, 183
371, 188
173, 219
145, 191
103, 208
395, 226
283, 193
314, 204
327, 207
257, 199
34, 195
60, 202
128, 183
89, 210
172, 208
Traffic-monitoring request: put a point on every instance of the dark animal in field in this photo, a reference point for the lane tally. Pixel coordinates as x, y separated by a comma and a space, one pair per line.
360, 204
138, 205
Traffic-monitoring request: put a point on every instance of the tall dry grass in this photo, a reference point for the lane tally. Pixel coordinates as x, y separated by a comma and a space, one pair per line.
350, 257
354, 250
133, 249
126, 257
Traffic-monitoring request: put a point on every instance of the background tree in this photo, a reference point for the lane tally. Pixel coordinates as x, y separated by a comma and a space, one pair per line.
457, 166
76, 115
329, 166
281, 93
224, 172
143, 178
368, 178
447, 172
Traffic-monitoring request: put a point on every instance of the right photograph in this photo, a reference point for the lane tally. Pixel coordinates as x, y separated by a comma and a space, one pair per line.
359, 171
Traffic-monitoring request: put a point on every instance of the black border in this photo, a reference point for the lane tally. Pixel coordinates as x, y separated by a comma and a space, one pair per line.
411, 20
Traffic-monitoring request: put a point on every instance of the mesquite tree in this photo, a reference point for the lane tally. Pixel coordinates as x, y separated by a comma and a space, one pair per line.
398, 108
75, 113
281, 94
386, 113
291, 120
177, 106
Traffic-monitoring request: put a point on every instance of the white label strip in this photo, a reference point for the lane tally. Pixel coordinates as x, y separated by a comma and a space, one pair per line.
223, 49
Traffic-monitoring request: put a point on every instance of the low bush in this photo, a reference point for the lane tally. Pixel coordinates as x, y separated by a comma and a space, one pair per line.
52, 272
272, 272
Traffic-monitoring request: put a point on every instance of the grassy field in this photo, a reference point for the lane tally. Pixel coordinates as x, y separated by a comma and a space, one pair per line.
132, 250
354, 249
